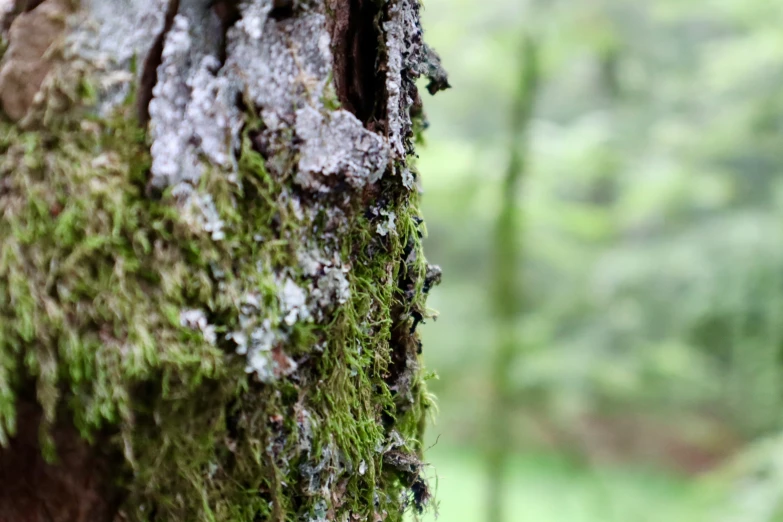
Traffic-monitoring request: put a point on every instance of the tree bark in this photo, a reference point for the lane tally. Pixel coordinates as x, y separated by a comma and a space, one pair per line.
211, 270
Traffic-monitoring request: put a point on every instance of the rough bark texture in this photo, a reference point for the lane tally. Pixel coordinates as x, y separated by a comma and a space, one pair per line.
211, 269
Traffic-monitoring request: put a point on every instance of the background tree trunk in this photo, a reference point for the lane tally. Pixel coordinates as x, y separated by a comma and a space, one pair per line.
507, 296
211, 269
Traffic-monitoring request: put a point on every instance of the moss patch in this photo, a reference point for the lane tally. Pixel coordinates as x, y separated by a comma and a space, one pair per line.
94, 280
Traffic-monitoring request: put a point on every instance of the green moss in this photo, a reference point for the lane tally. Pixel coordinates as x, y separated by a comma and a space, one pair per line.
94, 276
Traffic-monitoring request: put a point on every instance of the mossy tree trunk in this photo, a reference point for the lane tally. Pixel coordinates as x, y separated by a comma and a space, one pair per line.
210, 267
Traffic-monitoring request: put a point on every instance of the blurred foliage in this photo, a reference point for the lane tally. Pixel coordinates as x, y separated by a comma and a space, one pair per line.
652, 203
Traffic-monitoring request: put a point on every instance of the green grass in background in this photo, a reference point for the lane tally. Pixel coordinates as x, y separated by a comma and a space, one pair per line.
548, 488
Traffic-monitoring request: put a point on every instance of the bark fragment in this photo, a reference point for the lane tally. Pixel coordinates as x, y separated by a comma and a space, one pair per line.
286, 68
28, 58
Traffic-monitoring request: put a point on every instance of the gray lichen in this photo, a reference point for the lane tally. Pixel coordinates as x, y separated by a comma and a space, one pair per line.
293, 302
121, 31
408, 58
111, 35
199, 210
328, 281
192, 113
197, 320
389, 226
284, 63
336, 144
286, 67
403, 48
264, 358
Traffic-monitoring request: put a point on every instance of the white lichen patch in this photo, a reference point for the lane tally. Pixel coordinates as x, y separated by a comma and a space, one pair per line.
254, 15
192, 114
311, 262
404, 47
320, 476
389, 226
408, 179
394, 440
263, 335
263, 346
284, 64
197, 320
110, 35
173, 160
306, 425
213, 114
194, 122
123, 30
293, 302
264, 331
285, 67
200, 212
330, 286
336, 143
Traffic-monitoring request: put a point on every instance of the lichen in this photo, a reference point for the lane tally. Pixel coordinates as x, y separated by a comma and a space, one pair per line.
389, 226
114, 37
290, 83
336, 143
192, 112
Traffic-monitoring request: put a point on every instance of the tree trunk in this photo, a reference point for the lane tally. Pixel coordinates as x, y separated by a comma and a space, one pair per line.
507, 298
210, 266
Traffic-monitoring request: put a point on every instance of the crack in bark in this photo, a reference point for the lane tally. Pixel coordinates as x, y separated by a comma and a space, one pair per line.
355, 46
149, 75
23, 6
282, 9
228, 13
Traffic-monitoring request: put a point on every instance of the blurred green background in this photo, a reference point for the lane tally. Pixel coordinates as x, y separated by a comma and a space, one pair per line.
609, 343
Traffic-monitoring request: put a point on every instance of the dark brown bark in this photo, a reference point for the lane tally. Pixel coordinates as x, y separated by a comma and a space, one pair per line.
76, 487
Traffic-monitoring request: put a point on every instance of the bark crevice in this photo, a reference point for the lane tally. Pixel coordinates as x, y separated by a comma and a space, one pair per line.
149, 73
228, 12
355, 46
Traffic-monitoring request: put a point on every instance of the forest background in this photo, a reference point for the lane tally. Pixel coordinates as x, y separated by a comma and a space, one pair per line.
645, 380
